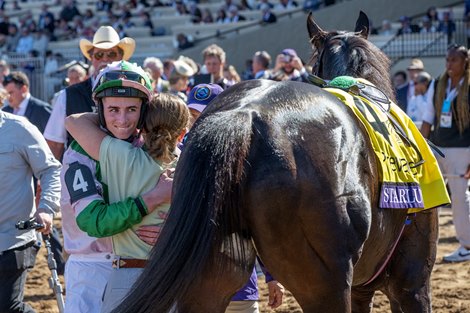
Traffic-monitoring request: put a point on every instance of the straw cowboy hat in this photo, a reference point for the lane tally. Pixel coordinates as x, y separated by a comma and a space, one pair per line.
106, 38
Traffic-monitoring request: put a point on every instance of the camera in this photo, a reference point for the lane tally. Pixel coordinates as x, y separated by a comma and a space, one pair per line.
28, 224
287, 58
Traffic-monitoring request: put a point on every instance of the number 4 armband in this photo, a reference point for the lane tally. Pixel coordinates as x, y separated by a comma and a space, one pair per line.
79, 181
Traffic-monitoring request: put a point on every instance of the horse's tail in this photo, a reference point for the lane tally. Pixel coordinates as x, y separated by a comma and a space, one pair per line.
204, 211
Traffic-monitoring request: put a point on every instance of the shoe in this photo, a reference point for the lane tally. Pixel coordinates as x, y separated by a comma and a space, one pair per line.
460, 255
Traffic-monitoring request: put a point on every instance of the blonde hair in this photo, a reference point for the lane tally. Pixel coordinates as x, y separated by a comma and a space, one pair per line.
167, 117
462, 109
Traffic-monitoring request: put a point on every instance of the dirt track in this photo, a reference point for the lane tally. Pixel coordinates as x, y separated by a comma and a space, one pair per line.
450, 282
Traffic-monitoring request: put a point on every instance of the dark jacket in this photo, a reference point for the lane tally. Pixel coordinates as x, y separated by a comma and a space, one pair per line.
402, 96
37, 112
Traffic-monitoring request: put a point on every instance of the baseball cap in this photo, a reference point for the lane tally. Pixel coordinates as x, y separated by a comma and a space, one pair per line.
290, 52
200, 96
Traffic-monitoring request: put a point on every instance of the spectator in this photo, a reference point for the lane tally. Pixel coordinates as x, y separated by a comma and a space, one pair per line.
63, 31
263, 2
4, 23
195, 12
20, 101
25, 41
13, 38
46, 20
447, 26
386, 29
311, 5
88, 17
167, 68
104, 5
426, 26
261, 62
424, 91
75, 75
27, 155
206, 16
184, 42
179, 79
4, 71
233, 15
399, 79
431, 13
286, 5
289, 67
245, 5
40, 42
105, 48
407, 27
69, 11
180, 8
450, 118
155, 67
214, 60
231, 74
268, 17
221, 16
405, 92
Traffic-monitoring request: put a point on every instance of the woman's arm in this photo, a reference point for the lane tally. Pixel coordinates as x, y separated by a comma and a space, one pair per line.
425, 129
85, 129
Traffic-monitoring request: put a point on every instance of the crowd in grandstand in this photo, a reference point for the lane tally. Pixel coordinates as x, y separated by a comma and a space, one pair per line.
416, 90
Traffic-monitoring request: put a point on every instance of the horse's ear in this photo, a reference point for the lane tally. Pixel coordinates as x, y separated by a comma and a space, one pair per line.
313, 29
362, 25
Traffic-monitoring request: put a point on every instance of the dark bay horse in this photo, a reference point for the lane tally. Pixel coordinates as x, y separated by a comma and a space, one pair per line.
283, 170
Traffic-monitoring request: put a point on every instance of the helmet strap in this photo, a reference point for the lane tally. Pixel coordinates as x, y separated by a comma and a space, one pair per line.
101, 113
143, 113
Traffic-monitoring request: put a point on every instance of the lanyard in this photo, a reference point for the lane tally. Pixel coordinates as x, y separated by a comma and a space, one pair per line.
451, 94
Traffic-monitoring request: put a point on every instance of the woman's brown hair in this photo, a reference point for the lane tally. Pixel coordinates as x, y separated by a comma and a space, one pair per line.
167, 117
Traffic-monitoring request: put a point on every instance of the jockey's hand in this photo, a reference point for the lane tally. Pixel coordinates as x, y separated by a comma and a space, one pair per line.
276, 293
149, 233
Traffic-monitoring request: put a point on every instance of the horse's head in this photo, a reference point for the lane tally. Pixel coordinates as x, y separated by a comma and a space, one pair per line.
338, 53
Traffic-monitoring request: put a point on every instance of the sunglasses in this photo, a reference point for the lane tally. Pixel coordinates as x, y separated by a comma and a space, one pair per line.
100, 54
116, 75
10, 78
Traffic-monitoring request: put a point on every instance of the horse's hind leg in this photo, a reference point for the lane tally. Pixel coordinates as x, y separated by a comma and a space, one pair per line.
223, 275
361, 300
408, 286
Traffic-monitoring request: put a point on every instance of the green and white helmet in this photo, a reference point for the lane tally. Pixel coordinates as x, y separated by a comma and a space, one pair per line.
122, 79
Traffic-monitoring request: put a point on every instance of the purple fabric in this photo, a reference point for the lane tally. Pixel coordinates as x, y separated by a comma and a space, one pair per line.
250, 290
401, 196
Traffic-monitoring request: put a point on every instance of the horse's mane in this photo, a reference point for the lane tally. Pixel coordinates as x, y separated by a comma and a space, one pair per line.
347, 53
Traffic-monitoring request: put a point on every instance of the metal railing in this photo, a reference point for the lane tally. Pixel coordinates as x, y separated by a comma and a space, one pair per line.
432, 44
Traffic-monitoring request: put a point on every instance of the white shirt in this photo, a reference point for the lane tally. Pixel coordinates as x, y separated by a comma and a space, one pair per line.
55, 128
23, 105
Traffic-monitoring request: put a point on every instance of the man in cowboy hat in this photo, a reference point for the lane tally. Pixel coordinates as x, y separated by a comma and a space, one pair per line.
105, 48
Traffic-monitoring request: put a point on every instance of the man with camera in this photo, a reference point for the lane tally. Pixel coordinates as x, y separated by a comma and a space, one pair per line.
23, 153
289, 67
